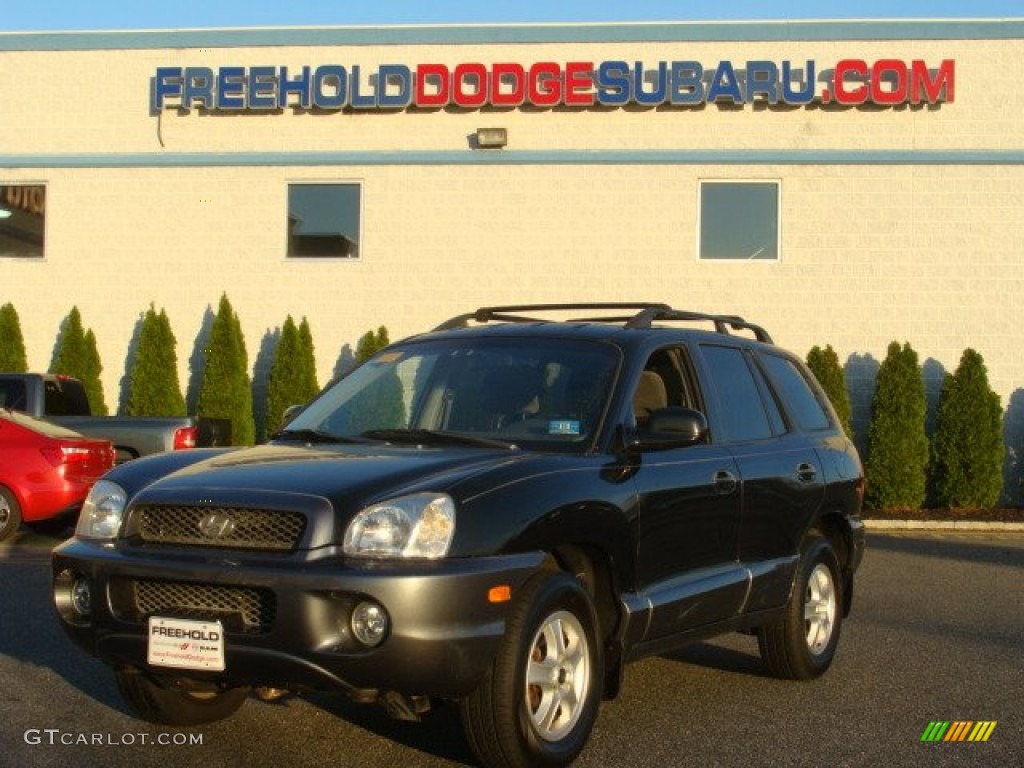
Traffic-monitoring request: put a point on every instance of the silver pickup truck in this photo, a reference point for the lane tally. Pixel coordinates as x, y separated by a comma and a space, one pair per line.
62, 400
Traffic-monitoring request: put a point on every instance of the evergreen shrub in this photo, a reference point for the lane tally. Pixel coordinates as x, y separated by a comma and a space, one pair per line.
12, 343
225, 391
824, 364
967, 448
897, 458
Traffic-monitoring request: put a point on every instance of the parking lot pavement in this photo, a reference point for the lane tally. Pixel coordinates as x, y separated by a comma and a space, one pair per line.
936, 635
28, 545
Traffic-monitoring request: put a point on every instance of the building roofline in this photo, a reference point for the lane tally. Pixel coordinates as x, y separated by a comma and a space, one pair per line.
364, 158
474, 34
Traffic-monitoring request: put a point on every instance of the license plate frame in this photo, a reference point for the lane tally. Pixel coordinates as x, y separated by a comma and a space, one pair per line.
185, 643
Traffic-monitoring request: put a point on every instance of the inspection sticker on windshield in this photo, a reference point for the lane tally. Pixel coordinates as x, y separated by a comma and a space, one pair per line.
564, 427
186, 644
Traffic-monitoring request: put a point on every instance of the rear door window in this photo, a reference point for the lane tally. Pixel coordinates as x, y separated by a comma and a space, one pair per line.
745, 411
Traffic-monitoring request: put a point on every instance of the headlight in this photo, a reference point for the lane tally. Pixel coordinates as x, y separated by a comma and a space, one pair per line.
102, 512
420, 525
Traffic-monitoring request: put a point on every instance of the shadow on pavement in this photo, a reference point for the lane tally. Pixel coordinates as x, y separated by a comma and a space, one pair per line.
30, 631
1002, 549
439, 734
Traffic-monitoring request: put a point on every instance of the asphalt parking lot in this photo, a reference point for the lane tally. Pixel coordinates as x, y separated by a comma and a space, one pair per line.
937, 634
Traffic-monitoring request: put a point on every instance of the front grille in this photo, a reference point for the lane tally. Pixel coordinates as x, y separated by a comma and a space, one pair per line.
242, 609
266, 530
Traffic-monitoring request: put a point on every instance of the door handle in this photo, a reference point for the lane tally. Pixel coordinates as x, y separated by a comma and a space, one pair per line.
725, 482
806, 472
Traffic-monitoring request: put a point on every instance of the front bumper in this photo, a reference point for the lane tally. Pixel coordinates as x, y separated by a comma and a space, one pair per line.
293, 631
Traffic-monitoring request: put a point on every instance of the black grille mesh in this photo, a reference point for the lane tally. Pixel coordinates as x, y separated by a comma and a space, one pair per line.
255, 607
228, 527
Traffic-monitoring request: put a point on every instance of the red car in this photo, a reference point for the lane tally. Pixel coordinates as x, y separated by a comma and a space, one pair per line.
45, 470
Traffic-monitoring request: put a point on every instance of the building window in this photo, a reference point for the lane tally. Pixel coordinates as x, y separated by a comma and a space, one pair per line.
22, 221
324, 220
739, 221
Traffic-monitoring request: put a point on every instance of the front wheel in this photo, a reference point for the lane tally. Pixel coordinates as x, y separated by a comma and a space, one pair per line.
801, 643
10, 514
176, 706
539, 701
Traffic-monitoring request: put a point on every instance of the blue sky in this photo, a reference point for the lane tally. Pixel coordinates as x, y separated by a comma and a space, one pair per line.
28, 15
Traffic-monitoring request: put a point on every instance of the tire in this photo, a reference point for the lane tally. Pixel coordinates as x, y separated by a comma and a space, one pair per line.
538, 702
10, 514
801, 643
173, 706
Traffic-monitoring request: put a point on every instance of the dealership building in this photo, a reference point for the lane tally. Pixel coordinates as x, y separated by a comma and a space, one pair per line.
847, 183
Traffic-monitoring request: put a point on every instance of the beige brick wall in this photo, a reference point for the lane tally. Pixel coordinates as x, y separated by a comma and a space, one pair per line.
870, 253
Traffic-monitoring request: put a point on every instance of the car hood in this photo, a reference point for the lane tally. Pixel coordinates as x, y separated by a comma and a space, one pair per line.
348, 477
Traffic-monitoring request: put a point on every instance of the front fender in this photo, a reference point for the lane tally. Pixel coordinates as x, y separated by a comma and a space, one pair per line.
586, 523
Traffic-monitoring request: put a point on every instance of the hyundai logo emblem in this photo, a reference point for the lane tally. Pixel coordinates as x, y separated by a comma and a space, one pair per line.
216, 525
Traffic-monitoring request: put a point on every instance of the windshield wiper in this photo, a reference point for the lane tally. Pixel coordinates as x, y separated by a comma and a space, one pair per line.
311, 436
428, 436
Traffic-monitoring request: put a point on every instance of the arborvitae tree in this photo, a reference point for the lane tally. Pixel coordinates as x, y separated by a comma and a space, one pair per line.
307, 361
225, 391
382, 407
77, 356
824, 364
12, 343
155, 388
897, 461
371, 343
70, 357
967, 449
286, 382
92, 382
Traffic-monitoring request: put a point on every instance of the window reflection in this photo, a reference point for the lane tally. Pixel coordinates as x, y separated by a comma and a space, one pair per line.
739, 220
22, 221
324, 220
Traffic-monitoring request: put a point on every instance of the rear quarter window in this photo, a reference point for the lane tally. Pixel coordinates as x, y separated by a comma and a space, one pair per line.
66, 398
796, 392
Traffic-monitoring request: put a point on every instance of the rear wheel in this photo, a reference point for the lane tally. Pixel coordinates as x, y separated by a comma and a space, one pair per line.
539, 701
10, 514
801, 643
176, 706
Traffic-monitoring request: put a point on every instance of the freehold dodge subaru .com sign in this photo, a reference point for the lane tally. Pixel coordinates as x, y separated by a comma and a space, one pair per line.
846, 82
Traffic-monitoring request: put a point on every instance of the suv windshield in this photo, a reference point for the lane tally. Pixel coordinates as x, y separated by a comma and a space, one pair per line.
518, 390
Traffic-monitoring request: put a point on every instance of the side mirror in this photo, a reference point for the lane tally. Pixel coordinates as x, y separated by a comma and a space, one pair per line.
290, 413
673, 427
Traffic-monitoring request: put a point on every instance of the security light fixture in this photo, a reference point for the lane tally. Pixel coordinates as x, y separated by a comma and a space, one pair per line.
491, 138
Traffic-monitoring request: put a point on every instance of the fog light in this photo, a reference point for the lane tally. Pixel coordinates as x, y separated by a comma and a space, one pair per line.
81, 597
370, 623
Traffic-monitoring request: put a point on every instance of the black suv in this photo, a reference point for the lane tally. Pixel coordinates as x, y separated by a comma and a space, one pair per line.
502, 512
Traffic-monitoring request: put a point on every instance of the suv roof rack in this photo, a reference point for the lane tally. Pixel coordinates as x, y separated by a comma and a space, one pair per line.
643, 316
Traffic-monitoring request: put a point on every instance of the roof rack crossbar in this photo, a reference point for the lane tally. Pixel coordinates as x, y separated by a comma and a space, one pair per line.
504, 313
722, 323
